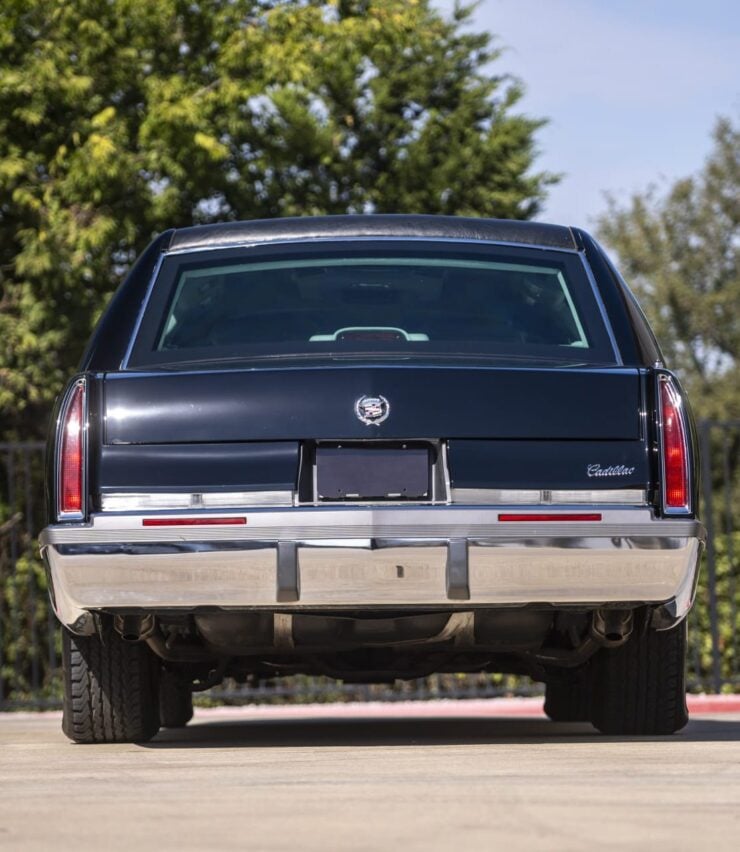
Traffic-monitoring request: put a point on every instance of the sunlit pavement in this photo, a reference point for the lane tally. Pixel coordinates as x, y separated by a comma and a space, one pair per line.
447, 775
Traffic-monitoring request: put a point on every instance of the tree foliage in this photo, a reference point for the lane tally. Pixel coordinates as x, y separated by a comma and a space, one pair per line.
679, 251
120, 118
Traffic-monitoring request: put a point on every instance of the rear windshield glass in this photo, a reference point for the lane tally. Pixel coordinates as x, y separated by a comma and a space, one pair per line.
415, 303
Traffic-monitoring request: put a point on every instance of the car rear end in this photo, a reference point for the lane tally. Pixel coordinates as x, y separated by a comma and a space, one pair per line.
380, 447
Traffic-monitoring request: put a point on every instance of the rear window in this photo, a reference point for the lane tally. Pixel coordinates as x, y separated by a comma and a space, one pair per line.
319, 303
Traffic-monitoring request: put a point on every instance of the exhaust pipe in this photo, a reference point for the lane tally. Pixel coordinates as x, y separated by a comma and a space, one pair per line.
612, 627
134, 628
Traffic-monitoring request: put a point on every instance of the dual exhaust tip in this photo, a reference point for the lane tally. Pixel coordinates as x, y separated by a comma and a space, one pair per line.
612, 627
135, 628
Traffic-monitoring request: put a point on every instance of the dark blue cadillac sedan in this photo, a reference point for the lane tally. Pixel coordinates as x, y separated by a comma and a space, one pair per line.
372, 447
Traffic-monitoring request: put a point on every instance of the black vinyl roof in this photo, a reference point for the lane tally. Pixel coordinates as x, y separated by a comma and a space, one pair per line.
380, 225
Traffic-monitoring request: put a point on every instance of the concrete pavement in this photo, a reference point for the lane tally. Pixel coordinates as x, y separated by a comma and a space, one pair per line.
352, 777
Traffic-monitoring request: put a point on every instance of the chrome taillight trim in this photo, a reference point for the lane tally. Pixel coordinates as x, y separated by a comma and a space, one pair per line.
81, 383
672, 387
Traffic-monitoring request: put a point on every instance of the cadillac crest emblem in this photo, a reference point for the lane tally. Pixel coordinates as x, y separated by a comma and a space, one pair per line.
372, 410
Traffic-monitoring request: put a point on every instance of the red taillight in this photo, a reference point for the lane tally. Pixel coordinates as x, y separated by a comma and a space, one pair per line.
675, 449
72, 454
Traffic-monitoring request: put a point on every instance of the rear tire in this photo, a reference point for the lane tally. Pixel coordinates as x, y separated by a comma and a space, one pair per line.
110, 689
640, 687
175, 700
568, 698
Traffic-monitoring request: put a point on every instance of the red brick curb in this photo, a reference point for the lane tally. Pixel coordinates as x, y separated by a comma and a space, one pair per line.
443, 708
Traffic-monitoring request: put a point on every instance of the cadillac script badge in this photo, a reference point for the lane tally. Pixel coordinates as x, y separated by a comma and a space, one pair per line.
372, 410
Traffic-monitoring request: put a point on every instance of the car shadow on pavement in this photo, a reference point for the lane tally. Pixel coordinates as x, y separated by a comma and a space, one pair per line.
369, 732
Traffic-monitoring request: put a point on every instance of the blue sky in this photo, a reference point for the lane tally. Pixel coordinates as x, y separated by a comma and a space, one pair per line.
631, 88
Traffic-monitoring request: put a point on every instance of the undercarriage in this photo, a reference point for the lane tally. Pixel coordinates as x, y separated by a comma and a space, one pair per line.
609, 666
377, 646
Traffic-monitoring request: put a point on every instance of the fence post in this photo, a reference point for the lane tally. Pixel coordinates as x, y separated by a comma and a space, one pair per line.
705, 427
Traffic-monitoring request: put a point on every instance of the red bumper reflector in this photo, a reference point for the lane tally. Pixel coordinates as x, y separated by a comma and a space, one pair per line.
192, 522
539, 516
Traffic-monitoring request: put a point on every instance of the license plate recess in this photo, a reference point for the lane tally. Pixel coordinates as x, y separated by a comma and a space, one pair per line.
351, 472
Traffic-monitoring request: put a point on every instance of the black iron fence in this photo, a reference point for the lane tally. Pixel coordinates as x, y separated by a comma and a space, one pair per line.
715, 635
29, 632
30, 641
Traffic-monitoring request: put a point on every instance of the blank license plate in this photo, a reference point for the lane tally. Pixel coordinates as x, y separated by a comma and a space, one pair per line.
372, 474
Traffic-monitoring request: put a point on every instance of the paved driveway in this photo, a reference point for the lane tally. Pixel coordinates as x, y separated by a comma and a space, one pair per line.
406, 777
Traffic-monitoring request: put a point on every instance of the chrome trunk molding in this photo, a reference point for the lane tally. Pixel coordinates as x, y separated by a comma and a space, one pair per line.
123, 501
442, 494
545, 497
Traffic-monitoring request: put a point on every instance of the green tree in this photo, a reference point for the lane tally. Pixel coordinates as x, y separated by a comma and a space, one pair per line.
119, 118
679, 250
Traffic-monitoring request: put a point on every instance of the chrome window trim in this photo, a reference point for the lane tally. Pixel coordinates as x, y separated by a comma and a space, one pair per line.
345, 239
142, 310
602, 308
71, 516
364, 238
686, 508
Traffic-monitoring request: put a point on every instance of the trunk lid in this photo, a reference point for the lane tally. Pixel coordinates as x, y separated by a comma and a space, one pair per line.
425, 402
506, 427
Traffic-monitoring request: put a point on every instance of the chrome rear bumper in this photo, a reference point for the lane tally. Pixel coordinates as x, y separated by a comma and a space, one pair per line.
365, 557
